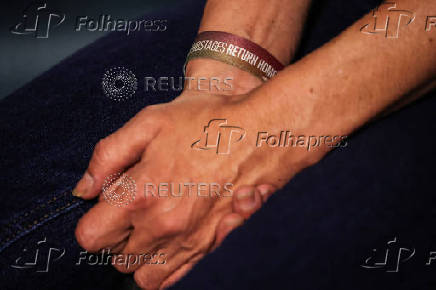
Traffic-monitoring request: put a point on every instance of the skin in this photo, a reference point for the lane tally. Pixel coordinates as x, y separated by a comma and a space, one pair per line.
100, 228
335, 90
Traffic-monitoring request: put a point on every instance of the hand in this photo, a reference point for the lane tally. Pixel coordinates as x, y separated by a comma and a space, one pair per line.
183, 226
246, 201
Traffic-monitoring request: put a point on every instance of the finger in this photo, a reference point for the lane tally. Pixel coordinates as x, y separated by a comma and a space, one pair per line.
138, 246
266, 191
147, 237
127, 263
117, 248
115, 153
154, 277
103, 227
178, 274
242, 209
109, 221
246, 201
227, 225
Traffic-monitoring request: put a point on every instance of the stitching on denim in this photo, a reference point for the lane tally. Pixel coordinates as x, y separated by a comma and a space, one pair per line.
42, 219
20, 217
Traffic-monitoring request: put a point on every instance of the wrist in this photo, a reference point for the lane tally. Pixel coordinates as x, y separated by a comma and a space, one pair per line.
274, 25
219, 78
293, 110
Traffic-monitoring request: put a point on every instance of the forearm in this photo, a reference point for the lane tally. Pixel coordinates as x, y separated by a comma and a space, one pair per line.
355, 77
274, 25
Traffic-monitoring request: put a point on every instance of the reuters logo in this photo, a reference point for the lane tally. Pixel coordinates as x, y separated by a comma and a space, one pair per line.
119, 189
119, 83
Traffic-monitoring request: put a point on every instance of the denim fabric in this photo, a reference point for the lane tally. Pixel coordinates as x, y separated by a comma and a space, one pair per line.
313, 234
48, 131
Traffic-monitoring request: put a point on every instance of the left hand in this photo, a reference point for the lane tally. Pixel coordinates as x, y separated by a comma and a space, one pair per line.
184, 227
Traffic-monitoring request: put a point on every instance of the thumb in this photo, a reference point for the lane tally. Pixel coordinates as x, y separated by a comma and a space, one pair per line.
115, 153
246, 201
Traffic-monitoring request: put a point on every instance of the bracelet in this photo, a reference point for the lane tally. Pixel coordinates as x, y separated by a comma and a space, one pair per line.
236, 51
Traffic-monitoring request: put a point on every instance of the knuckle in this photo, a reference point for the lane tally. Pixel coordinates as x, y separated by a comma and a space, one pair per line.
170, 226
85, 236
152, 108
142, 280
155, 114
101, 151
121, 267
150, 112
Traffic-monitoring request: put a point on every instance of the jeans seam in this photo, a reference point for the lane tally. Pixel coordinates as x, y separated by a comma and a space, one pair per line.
30, 226
25, 214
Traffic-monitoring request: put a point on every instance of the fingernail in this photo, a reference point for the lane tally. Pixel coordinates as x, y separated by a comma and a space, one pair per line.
246, 199
84, 186
245, 195
263, 191
75, 193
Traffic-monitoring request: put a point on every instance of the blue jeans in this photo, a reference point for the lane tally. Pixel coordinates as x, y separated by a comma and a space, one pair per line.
318, 232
